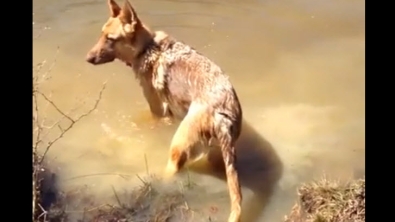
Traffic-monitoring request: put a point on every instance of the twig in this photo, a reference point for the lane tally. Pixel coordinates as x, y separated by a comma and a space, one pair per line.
88, 210
186, 205
36, 120
144, 182
39, 34
36, 82
43, 136
52, 66
99, 174
73, 121
39, 67
189, 178
34, 188
44, 213
146, 164
116, 196
55, 106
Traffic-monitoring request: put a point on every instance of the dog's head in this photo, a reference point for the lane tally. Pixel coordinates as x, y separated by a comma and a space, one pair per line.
118, 35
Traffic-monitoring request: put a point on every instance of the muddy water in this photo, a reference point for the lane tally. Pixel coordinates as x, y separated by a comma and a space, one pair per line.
298, 67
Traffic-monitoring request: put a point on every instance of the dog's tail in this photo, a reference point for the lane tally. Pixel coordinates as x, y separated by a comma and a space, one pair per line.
228, 132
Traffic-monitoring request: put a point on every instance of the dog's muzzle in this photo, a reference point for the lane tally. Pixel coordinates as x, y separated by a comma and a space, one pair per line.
95, 59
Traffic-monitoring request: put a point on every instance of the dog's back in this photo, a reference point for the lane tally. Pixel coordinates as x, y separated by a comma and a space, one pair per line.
185, 76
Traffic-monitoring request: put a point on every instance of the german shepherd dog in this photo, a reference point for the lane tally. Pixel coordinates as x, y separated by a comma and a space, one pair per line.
180, 83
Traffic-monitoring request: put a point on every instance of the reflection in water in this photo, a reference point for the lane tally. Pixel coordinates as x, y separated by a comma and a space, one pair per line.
298, 67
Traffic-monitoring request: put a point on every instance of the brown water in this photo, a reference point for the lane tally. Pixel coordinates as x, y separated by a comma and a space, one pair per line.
298, 67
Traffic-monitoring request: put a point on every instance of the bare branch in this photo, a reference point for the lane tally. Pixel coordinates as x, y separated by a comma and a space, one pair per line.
52, 66
63, 131
36, 81
38, 68
43, 126
55, 106
36, 120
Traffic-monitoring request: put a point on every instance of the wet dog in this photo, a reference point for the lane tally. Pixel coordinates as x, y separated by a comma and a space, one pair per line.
180, 83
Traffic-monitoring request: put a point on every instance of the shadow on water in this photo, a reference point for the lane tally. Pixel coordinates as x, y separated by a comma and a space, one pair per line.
259, 166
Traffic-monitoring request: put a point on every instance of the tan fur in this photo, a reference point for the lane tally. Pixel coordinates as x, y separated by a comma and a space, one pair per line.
181, 83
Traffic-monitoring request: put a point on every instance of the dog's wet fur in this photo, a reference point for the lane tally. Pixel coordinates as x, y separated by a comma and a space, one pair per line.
179, 83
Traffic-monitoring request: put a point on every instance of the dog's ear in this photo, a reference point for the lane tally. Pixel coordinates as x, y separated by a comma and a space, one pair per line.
128, 14
114, 8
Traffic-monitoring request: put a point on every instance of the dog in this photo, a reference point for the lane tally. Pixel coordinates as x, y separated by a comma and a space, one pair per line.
179, 83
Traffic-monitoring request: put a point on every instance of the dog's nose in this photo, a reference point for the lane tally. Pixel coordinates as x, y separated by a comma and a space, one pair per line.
90, 58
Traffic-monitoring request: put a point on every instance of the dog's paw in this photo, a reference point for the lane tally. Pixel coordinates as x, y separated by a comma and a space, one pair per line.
169, 172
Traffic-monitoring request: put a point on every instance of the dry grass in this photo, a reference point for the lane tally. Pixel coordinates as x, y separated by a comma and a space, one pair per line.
330, 201
146, 203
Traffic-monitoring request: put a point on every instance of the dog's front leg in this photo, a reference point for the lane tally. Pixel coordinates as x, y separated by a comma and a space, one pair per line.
156, 105
158, 110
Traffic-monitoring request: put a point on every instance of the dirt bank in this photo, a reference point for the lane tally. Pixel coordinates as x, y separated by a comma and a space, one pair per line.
329, 201
146, 203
